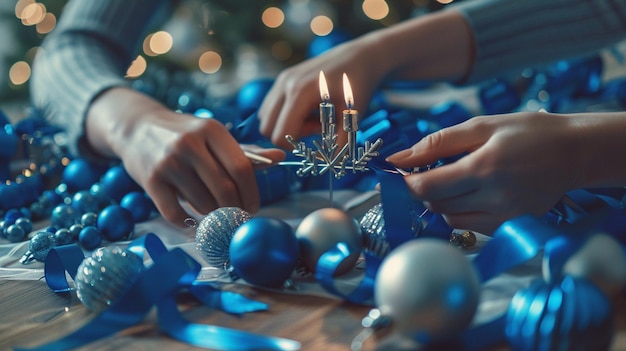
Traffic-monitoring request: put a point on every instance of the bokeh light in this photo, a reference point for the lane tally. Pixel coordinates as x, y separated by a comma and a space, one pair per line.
33, 14
20, 6
210, 62
445, 2
47, 24
19, 73
137, 67
273, 17
321, 25
161, 42
375, 9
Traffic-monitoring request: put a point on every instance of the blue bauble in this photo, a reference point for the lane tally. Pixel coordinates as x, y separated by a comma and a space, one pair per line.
139, 204
83, 201
89, 218
105, 275
251, 95
321, 44
62, 237
63, 216
116, 183
90, 238
40, 245
115, 222
264, 251
15, 233
572, 314
25, 224
80, 174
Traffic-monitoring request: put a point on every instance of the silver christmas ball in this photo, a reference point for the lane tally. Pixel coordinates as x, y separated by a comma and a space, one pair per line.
321, 230
215, 231
427, 288
602, 261
373, 227
105, 275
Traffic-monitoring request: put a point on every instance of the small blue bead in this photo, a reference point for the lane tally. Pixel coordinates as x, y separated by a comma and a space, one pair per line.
115, 222
25, 224
63, 216
75, 230
89, 218
83, 201
139, 204
15, 233
62, 237
90, 238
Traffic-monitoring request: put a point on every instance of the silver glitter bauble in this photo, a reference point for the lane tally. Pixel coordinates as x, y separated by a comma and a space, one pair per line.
321, 230
427, 288
105, 275
215, 231
373, 228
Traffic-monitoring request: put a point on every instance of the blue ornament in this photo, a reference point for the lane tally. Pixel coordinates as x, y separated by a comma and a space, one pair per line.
105, 275
40, 245
264, 252
83, 201
12, 215
115, 222
139, 204
89, 238
251, 94
572, 314
321, 44
80, 174
116, 183
75, 230
15, 233
63, 216
100, 194
89, 218
215, 231
62, 237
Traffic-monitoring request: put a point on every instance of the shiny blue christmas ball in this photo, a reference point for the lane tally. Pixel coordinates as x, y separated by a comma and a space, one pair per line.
139, 204
571, 314
115, 222
63, 216
15, 233
251, 94
80, 174
89, 238
264, 252
83, 201
116, 183
25, 224
89, 218
62, 237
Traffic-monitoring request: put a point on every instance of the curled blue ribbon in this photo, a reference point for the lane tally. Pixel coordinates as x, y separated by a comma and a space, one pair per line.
157, 286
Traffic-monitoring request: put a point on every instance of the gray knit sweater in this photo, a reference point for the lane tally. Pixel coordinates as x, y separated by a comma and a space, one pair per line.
95, 41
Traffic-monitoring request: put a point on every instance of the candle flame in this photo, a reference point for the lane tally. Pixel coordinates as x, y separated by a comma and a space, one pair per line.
347, 92
325, 95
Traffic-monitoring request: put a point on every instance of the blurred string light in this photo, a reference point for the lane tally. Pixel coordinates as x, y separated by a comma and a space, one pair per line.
273, 17
19, 73
210, 62
375, 9
445, 2
321, 25
137, 67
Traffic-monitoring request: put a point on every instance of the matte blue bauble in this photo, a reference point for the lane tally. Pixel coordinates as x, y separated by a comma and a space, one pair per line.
139, 204
264, 252
90, 238
63, 216
105, 275
80, 174
115, 222
572, 314
116, 183
251, 95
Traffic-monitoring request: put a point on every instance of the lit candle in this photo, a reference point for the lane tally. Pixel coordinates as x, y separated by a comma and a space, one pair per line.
350, 118
327, 109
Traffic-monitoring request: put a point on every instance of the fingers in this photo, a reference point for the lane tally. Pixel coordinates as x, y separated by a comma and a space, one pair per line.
447, 142
167, 203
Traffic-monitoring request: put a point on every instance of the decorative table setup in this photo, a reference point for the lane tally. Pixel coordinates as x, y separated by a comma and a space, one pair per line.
328, 263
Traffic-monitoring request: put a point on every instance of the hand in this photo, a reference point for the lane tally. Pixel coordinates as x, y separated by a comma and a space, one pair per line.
517, 164
288, 108
176, 157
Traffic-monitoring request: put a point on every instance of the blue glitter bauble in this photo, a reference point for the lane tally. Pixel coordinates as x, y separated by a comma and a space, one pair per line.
115, 222
139, 204
264, 252
40, 245
116, 183
90, 238
572, 314
80, 174
105, 275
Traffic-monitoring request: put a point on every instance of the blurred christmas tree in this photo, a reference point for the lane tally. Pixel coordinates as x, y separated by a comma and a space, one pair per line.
211, 35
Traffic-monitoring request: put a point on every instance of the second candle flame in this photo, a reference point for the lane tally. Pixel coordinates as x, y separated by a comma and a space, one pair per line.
347, 92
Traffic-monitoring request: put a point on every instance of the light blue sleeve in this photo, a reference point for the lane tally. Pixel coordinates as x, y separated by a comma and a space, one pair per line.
88, 52
513, 34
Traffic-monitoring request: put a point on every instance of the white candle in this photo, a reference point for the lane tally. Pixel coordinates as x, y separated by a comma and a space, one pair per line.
327, 109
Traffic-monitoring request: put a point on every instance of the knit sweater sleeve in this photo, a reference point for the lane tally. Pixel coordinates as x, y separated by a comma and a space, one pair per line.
88, 52
513, 34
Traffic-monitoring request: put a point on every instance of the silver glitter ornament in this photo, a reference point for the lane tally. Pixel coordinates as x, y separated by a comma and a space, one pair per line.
103, 277
215, 231
373, 227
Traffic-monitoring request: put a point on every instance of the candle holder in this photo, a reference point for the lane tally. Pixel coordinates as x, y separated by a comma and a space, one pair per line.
325, 158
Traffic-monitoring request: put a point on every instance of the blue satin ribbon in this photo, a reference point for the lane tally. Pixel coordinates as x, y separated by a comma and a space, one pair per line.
157, 286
